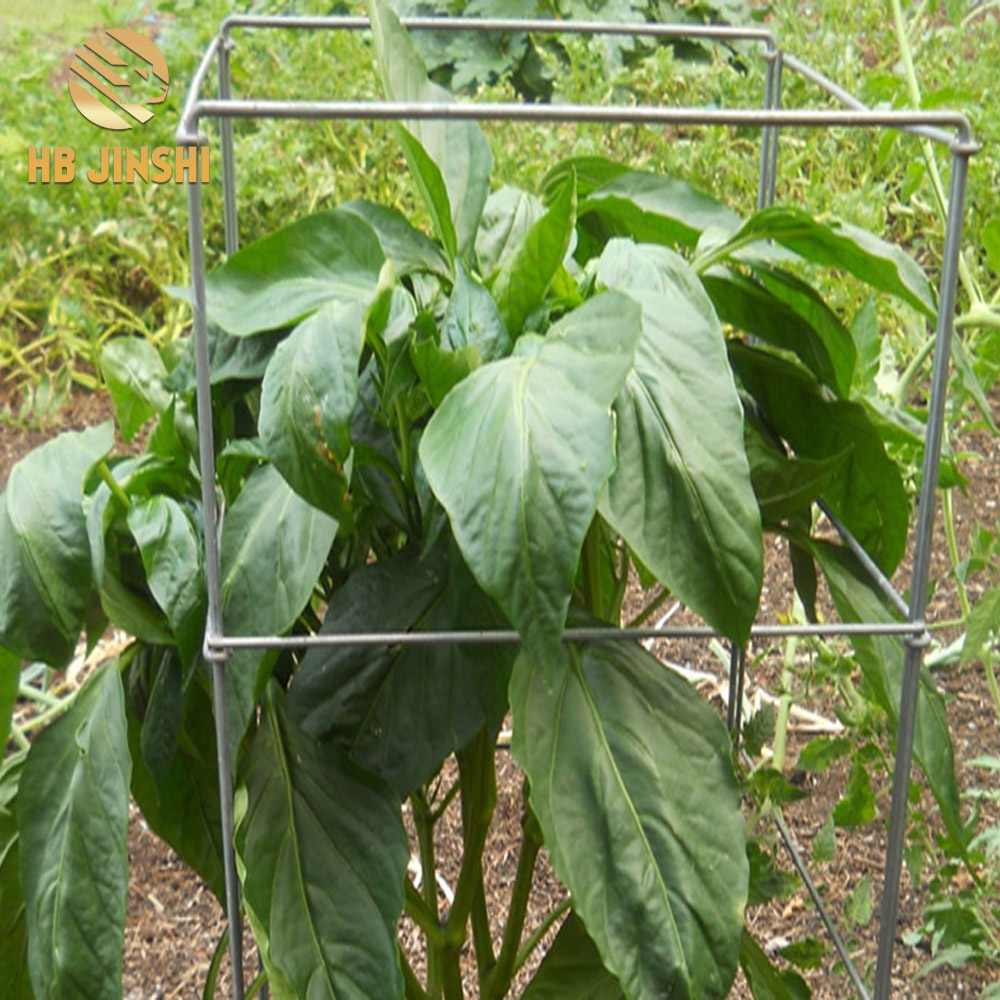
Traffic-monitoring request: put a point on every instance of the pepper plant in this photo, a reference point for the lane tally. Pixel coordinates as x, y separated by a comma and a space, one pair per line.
483, 427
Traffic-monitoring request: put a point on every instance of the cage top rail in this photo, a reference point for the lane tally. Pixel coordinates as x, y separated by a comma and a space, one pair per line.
949, 128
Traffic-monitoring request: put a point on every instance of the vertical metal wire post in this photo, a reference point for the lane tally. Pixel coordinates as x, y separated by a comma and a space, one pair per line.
771, 57
230, 217
206, 460
921, 567
772, 173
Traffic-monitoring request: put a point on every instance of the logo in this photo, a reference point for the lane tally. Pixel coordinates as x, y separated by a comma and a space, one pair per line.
105, 87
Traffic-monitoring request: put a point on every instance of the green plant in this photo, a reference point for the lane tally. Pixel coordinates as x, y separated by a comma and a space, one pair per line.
417, 434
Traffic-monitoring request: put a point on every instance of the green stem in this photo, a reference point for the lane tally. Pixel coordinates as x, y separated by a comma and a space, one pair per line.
259, 982
784, 706
412, 987
31, 693
649, 609
213, 967
592, 590
116, 490
419, 912
482, 938
439, 810
424, 825
22, 741
531, 842
991, 678
539, 933
948, 516
912, 370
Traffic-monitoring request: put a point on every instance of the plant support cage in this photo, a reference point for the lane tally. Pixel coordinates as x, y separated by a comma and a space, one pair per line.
946, 128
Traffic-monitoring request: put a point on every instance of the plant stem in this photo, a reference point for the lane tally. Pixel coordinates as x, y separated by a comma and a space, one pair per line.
477, 772
539, 933
419, 912
991, 678
784, 706
424, 824
592, 596
411, 985
213, 967
482, 938
531, 842
116, 490
647, 611
948, 516
912, 370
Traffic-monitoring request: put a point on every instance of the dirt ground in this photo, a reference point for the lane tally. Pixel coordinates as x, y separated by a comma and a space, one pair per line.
174, 923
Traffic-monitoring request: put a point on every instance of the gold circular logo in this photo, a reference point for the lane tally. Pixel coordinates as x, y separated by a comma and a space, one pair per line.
101, 79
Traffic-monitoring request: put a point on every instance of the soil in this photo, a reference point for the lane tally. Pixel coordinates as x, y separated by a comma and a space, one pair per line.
174, 923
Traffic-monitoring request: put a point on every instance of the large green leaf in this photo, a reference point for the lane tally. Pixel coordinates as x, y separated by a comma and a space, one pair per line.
285, 276
448, 158
45, 566
507, 217
170, 547
72, 814
765, 981
323, 855
836, 244
632, 784
572, 967
652, 208
747, 305
786, 486
881, 660
519, 452
273, 546
681, 495
309, 391
409, 249
527, 271
183, 806
10, 678
16, 981
471, 319
869, 497
400, 711
134, 374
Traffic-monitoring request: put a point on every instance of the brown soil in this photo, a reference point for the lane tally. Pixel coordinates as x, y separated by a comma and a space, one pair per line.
174, 923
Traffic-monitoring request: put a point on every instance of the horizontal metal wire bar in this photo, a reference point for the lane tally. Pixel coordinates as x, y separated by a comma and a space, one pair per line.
720, 32
631, 115
582, 635
847, 98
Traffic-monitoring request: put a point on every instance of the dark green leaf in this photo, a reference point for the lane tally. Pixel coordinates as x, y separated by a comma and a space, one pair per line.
308, 396
448, 157
16, 982
572, 967
765, 981
229, 358
991, 244
837, 244
170, 546
881, 660
409, 249
323, 855
508, 215
162, 723
518, 454
820, 753
45, 565
183, 807
681, 494
472, 320
285, 276
399, 711
869, 497
652, 208
767, 880
134, 375
767, 784
750, 307
273, 547
591, 172
439, 369
633, 787
10, 678
786, 486
857, 807
72, 814
527, 271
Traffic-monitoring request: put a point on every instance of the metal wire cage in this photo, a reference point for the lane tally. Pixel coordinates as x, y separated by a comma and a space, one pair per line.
947, 128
